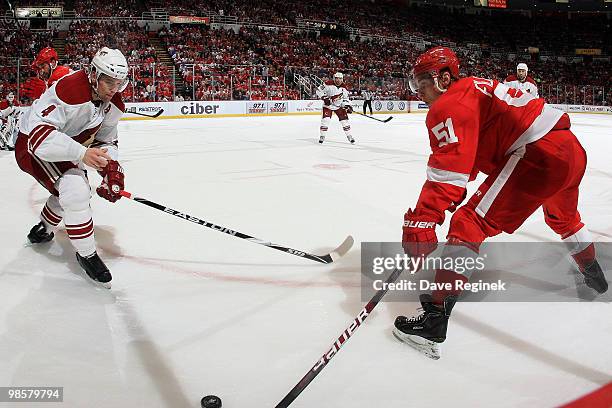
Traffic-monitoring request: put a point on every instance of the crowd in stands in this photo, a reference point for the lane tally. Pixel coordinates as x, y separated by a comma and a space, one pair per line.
18, 41
116, 8
150, 81
500, 29
258, 63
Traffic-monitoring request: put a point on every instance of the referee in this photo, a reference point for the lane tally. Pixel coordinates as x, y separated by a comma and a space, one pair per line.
367, 100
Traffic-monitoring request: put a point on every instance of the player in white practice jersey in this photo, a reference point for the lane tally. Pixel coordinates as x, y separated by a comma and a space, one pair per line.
335, 99
71, 126
522, 81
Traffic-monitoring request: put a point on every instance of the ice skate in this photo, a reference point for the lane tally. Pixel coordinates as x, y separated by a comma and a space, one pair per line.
594, 277
426, 331
38, 234
95, 269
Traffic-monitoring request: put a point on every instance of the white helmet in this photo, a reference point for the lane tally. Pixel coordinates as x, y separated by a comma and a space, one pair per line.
10, 97
522, 65
110, 62
338, 75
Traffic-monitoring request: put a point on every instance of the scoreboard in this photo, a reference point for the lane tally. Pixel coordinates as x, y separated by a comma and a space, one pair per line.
491, 3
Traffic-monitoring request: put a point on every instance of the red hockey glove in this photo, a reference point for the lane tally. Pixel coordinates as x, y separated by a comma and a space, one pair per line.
348, 108
419, 236
326, 101
112, 181
33, 87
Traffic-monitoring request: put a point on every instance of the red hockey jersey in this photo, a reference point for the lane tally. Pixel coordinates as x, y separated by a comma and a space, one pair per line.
472, 127
58, 73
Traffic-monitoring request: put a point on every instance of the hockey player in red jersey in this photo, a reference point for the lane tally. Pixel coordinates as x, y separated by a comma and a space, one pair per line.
531, 158
71, 127
522, 81
335, 99
47, 73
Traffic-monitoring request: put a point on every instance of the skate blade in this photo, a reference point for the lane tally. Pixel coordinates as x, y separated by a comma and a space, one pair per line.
427, 347
95, 283
105, 285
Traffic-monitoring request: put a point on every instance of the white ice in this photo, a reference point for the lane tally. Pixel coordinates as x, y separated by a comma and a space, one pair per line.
194, 312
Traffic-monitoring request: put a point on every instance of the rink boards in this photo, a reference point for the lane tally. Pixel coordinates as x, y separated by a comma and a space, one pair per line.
204, 109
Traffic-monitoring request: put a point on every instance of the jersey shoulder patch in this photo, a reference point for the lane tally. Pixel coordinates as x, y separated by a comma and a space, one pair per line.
117, 100
74, 89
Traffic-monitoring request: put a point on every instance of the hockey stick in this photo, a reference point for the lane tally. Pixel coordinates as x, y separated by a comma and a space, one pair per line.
335, 348
327, 258
133, 111
372, 117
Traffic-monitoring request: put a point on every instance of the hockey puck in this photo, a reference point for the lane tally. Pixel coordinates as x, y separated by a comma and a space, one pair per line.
211, 401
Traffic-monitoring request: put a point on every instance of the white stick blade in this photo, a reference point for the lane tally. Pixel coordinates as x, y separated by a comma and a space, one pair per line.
343, 248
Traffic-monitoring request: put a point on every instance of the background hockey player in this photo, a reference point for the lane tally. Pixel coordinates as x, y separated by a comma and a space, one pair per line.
9, 115
335, 99
73, 125
532, 160
522, 81
47, 73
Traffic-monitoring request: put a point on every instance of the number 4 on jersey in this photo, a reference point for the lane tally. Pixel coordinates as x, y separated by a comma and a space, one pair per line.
445, 132
48, 110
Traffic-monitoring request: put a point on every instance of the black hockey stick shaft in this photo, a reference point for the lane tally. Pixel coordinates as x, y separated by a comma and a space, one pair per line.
372, 117
335, 348
159, 112
327, 258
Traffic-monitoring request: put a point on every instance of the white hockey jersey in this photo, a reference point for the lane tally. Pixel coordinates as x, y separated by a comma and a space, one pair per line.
64, 121
528, 85
338, 95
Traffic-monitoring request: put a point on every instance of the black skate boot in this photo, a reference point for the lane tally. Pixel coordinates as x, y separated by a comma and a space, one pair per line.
39, 234
95, 269
426, 331
594, 277
321, 139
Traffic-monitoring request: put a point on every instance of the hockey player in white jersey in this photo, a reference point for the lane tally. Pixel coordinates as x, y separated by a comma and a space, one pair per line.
335, 99
522, 81
9, 117
71, 127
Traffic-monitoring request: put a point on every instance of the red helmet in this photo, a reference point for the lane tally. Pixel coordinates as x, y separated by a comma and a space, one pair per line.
48, 55
432, 62
436, 59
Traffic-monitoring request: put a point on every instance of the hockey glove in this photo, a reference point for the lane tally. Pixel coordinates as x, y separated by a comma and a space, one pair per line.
348, 108
326, 101
112, 181
33, 87
419, 237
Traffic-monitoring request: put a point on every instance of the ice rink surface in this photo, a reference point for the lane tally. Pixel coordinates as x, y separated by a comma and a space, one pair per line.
195, 312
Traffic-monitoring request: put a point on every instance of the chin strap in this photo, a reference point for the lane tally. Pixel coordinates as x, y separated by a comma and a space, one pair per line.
94, 85
440, 89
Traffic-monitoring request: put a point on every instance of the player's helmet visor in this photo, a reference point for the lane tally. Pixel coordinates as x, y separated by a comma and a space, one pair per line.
416, 81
